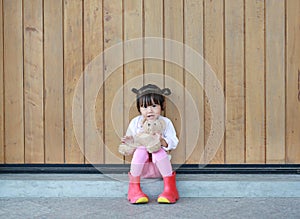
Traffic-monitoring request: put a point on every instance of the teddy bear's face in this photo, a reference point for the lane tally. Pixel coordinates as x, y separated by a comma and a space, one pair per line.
154, 126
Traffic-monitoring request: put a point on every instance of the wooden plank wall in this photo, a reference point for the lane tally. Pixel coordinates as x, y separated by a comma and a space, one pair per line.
45, 46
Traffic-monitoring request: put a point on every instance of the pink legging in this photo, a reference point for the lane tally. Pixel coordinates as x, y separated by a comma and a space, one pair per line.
141, 155
160, 158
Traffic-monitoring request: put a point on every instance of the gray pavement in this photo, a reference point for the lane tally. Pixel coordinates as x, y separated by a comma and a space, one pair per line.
104, 196
120, 208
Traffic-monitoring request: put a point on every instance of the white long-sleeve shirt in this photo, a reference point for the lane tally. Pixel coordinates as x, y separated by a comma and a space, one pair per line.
169, 134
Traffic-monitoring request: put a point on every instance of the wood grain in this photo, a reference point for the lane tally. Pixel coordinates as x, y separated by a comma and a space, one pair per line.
93, 47
234, 76
214, 56
275, 82
133, 71
33, 81
2, 152
255, 82
174, 77
194, 93
73, 70
153, 28
54, 81
45, 46
293, 82
13, 81
113, 34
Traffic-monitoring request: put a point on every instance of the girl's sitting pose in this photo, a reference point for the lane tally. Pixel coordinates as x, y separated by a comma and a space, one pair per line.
150, 102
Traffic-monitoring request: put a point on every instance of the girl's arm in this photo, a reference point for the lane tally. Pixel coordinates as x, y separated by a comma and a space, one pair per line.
132, 127
169, 137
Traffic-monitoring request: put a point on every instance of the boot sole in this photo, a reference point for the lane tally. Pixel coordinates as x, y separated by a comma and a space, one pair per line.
142, 200
163, 200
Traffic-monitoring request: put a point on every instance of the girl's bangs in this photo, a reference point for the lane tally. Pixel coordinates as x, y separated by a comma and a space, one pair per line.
148, 100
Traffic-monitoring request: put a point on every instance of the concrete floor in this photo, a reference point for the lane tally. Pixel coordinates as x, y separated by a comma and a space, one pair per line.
104, 196
119, 208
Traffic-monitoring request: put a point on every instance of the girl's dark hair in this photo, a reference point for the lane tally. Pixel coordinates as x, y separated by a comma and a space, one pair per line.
150, 99
149, 94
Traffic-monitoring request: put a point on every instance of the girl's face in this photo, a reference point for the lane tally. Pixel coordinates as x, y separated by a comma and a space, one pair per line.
151, 112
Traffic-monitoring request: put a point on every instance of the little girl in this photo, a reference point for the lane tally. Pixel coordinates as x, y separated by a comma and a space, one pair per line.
150, 102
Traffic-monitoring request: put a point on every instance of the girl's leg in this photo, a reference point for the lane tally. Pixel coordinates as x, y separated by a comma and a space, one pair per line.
170, 193
135, 194
163, 163
140, 156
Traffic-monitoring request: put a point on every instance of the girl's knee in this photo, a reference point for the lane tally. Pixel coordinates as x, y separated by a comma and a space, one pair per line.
140, 155
161, 154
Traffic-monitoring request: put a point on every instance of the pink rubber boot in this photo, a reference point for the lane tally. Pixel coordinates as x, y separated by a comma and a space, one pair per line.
135, 194
170, 193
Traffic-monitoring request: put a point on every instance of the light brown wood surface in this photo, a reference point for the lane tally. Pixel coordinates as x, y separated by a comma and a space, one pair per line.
214, 56
113, 35
154, 28
234, 80
13, 81
255, 81
93, 53
2, 149
33, 81
53, 82
73, 70
293, 82
275, 82
49, 48
133, 69
194, 92
174, 77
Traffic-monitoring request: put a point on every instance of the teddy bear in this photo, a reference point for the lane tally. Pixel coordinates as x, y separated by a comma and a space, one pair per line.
149, 137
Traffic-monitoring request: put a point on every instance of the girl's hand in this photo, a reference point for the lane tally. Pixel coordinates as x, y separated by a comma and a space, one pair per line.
127, 140
162, 140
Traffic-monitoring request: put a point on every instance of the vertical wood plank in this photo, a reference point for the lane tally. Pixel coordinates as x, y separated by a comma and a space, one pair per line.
174, 77
293, 82
13, 81
73, 69
234, 65
33, 81
153, 27
193, 37
213, 54
275, 81
54, 81
1, 87
113, 34
255, 79
133, 72
133, 28
93, 46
